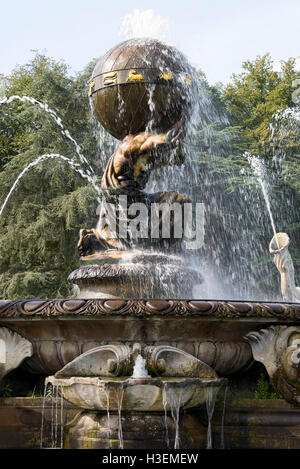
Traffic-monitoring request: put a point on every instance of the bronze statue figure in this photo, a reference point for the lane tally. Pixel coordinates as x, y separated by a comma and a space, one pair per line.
141, 92
127, 173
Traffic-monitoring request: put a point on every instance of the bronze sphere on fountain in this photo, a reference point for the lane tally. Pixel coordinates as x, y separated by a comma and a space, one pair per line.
122, 92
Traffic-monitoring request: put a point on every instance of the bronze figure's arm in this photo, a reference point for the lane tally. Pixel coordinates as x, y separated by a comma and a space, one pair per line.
127, 173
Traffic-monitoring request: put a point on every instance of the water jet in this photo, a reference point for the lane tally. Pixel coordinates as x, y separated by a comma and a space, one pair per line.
135, 359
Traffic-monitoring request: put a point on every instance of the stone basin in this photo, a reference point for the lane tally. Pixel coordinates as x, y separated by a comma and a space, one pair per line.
211, 330
135, 394
121, 274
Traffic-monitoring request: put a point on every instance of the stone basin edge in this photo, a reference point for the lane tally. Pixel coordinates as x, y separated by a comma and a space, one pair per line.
97, 308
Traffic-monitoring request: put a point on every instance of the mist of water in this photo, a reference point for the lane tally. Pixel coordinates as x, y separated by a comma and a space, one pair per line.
139, 370
228, 259
144, 23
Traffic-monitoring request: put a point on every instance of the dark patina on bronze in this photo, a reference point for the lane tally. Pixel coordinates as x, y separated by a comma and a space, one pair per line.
124, 75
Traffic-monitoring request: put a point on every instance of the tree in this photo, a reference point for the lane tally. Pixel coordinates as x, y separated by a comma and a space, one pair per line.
40, 223
238, 229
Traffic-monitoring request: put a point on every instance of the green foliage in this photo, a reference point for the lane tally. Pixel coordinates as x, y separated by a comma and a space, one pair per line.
49, 392
237, 226
38, 393
254, 96
265, 389
6, 391
40, 224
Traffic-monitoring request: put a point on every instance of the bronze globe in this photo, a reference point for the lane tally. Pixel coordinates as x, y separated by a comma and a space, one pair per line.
141, 84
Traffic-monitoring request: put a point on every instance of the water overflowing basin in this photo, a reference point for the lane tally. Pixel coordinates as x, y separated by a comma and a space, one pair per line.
138, 394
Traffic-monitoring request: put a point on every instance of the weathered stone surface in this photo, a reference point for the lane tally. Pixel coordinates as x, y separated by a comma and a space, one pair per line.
249, 424
135, 280
278, 348
187, 308
212, 331
224, 357
13, 350
106, 360
140, 431
20, 421
134, 394
103, 377
169, 361
256, 424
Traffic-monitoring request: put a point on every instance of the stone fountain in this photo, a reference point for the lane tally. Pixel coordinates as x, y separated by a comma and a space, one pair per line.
135, 301
142, 93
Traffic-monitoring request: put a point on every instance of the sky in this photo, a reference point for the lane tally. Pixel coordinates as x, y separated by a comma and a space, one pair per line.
216, 36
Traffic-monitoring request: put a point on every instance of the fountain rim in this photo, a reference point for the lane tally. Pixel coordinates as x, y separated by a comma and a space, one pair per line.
36, 309
126, 381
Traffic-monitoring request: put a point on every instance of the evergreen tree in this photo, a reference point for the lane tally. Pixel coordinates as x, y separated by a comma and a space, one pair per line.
40, 223
238, 229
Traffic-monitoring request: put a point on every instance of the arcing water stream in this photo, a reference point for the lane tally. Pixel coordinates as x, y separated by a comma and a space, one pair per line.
259, 171
185, 178
57, 119
48, 156
89, 174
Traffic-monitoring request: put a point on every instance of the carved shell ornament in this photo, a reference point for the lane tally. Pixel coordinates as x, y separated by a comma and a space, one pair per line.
102, 307
278, 348
118, 360
13, 350
106, 360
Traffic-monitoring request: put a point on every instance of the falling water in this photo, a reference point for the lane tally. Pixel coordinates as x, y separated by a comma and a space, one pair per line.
57, 427
211, 394
175, 412
120, 394
259, 171
174, 401
284, 129
290, 116
223, 418
56, 416
41, 158
187, 177
43, 414
65, 132
165, 403
52, 416
151, 103
139, 370
106, 390
61, 418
